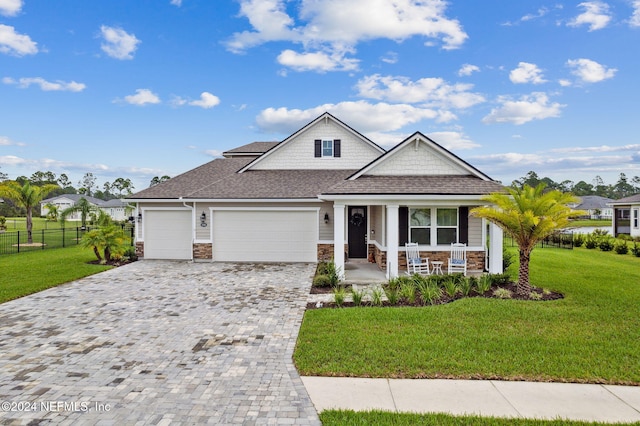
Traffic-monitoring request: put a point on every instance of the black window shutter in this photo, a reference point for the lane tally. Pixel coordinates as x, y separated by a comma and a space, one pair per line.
336, 147
403, 225
463, 225
318, 148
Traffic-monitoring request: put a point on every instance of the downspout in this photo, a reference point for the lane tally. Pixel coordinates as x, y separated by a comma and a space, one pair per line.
193, 226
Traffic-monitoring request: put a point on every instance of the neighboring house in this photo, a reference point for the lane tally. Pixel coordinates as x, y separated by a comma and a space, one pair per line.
597, 207
116, 209
325, 186
626, 216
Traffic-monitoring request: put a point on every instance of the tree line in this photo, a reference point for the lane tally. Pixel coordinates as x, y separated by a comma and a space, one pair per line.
624, 187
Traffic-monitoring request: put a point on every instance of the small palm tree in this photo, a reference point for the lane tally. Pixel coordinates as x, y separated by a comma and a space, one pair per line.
528, 215
27, 196
52, 212
84, 207
109, 240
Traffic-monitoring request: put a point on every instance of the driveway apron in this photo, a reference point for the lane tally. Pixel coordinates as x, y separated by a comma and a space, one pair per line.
158, 342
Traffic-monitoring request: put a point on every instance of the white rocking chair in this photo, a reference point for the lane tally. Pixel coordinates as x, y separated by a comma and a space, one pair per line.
415, 263
458, 259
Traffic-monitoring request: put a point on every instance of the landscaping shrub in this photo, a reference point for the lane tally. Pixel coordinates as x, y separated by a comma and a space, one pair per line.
507, 258
590, 242
606, 244
483, 284
329, 269
621, 247
466, 285
376, 297
321, 280
578, 240
635, 250
339, 294
392, 295
500, 279
502, 293
451, 287
357, 296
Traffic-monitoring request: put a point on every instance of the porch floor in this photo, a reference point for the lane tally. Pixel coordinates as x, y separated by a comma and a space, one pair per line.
361, 271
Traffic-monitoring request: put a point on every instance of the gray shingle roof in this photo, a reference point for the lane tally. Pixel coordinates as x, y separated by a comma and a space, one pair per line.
627, 200
254, 148
435, 185
592, 202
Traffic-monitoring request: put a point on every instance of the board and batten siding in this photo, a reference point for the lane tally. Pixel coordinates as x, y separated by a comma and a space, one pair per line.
298, 153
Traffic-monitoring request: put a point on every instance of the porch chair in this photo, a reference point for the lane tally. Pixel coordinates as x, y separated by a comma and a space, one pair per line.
415, 263
458, 259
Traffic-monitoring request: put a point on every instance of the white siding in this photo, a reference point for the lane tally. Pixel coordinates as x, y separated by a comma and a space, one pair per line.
298, 153
475, 231
326, 229
376, 224
416, 160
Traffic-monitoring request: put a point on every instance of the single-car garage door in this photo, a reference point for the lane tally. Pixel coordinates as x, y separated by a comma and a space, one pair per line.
265, 235
167, 234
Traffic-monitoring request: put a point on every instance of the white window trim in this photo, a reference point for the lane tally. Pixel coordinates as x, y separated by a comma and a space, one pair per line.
635, 215
322, 141
433, 228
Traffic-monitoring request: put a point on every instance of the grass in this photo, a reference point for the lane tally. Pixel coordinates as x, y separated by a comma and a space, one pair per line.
591, 336
31, 272
351, 418
20, 224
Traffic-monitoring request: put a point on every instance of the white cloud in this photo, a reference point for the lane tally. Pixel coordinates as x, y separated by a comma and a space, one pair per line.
391, 57
5, 141
367, 117
142, 97
336, 26
453, 140
589, 71
531, 107
635, 18
45, 85
10, 7
543, 11
433, 92
317, 61
468, 69
118, 43
206, 101
16, 44
596, 15
526, 73
601, 148
176, 2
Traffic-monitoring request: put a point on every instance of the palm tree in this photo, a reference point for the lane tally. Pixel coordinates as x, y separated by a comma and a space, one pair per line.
84, 207
528, 215
110, 239
52, 212
27, 196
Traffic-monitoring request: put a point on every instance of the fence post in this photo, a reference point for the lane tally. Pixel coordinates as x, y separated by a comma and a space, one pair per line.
42, 241
18, 241
63, 242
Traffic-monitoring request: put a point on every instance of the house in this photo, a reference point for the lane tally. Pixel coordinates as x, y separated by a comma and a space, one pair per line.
117, 209
323, 187
597, 207
626, 216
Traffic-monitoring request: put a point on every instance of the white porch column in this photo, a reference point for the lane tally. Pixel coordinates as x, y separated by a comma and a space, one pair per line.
495, 249
392, 241
338, 238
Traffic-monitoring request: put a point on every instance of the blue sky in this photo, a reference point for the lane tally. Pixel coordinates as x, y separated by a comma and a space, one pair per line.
142, 88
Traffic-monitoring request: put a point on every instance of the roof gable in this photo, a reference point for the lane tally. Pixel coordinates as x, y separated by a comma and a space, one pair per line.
298, 150
419, 156
254, 149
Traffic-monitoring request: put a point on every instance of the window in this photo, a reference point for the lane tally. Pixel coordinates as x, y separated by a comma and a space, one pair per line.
327, 148
447, 226
422, 231
420, 226
635, 218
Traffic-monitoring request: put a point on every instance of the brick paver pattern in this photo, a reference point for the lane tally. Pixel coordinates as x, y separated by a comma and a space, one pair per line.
158, 342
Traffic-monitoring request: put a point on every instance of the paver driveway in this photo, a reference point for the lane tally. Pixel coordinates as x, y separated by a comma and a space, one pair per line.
158, 342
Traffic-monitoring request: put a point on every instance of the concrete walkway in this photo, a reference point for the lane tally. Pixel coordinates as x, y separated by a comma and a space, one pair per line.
158, 343
601, 403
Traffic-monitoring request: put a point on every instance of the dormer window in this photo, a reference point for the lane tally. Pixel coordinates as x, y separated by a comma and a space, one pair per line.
327, 148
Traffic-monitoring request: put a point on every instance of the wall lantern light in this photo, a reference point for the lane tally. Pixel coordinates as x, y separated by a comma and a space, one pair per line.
139, 217
203, 219
326, 218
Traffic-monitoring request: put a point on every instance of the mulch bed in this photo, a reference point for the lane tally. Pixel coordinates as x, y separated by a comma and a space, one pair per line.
551, 295
111, 262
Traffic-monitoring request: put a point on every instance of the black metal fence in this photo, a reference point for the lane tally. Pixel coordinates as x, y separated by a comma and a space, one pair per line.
558, 240
12, 242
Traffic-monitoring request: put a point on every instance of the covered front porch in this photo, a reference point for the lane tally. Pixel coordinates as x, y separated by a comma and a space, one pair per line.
374, 232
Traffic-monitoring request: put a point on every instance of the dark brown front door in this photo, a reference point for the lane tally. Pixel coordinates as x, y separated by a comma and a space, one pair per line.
357, 230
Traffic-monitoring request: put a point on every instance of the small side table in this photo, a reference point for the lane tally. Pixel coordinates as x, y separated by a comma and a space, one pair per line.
437, 268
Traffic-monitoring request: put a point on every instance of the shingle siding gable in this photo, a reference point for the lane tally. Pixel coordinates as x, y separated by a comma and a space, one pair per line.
300, 152
416, 160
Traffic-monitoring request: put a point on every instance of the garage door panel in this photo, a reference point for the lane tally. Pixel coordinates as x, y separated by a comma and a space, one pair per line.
265, 236
167, 234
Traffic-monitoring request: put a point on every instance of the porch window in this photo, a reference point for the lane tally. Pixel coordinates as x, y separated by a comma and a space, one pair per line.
420, 226
635, 218
447, 226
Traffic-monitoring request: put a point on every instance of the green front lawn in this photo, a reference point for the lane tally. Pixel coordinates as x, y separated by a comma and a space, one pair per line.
592, 335
351, 418
27, 273
581, 223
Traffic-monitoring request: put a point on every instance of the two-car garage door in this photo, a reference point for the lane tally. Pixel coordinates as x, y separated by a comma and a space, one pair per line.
238, 235
265, 235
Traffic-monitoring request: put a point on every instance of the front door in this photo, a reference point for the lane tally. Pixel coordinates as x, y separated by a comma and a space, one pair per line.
357, 229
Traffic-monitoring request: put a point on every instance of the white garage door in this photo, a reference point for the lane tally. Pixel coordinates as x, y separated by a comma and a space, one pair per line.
265, 236
167, 234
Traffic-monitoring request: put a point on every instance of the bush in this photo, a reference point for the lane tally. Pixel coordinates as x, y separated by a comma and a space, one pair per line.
499, 279
322, 280
635, 250
483, 284
578, 240
502, 293
590, 242
339, 294
606, 244
625, 237
329, 269
507, 258
621, 247
357, 296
